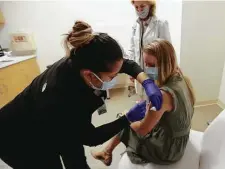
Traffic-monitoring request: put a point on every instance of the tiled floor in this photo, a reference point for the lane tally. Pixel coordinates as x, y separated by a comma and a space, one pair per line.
203, 115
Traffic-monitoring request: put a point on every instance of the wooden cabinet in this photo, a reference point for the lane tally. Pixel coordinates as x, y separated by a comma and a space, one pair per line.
2, 19
14, 78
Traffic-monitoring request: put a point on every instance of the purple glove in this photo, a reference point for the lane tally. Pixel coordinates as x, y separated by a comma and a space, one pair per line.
153, 93
137, 112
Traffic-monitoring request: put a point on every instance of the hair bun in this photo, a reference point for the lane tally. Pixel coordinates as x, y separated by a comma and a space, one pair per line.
80, 26
80, 35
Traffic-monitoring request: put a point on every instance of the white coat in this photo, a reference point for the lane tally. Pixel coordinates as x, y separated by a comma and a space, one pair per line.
156, 28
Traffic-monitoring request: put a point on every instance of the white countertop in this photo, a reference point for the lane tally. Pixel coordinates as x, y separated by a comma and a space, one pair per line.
6, 61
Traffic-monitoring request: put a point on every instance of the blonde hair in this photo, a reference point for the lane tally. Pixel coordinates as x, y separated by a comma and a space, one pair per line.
165, 54
152, 3
80, 35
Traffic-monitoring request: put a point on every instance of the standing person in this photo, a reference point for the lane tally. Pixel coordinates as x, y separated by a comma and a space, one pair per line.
52, 116
146, 29
161, 137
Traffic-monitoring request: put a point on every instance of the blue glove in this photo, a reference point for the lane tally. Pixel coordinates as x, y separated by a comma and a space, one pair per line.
153, 93
137, 112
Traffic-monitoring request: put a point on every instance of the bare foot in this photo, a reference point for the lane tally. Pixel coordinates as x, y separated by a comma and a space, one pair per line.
103, 156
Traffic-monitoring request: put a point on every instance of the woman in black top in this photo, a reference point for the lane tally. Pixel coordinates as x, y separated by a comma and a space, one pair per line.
52, 116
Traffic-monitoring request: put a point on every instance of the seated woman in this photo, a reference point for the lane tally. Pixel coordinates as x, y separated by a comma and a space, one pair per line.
161, 137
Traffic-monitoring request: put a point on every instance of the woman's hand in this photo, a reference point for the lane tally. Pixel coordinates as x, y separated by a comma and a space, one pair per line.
138, 125
153, 93
132, 79
137, 112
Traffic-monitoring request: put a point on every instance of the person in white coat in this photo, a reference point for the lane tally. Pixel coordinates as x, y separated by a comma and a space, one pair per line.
146, 29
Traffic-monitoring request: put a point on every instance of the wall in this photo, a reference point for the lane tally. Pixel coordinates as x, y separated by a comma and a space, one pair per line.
202, 46
49, 20
222, 89
171, 10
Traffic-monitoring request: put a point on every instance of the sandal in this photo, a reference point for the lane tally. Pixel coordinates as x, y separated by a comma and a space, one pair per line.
103, 156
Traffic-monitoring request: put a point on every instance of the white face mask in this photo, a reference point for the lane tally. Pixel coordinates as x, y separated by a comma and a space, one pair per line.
143, 14
105, 85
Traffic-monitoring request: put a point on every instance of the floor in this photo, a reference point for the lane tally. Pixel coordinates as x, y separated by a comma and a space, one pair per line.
120, 102
203, 115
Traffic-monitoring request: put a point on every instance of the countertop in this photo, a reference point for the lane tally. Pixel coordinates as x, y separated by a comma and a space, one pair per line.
6, 61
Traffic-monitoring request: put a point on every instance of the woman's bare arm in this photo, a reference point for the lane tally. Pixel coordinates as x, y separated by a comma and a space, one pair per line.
152, 117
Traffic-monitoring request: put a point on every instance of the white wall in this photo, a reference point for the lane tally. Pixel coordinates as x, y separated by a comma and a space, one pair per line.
202, 46
222, 88
171, 10
49, 20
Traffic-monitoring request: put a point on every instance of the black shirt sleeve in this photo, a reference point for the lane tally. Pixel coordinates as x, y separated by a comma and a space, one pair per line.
98, 135
131, 68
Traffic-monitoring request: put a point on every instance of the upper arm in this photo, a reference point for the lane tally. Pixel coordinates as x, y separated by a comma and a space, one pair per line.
164, 32
153, 117
131, 68
132, 38
130, 53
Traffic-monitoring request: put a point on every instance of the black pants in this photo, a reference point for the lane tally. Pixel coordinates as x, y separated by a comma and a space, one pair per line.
34, 157
41, 161
33, 161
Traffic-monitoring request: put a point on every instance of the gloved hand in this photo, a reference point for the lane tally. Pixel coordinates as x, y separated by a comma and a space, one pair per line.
153, 93
137, 112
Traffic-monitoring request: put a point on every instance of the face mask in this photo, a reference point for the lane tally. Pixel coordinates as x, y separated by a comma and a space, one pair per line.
105, 85
152, 72
143, 14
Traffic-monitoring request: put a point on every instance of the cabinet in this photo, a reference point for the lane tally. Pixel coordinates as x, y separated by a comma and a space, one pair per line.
14, 78
2, 19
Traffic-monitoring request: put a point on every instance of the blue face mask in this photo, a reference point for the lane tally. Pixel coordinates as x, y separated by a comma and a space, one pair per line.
152, 72
105, 85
